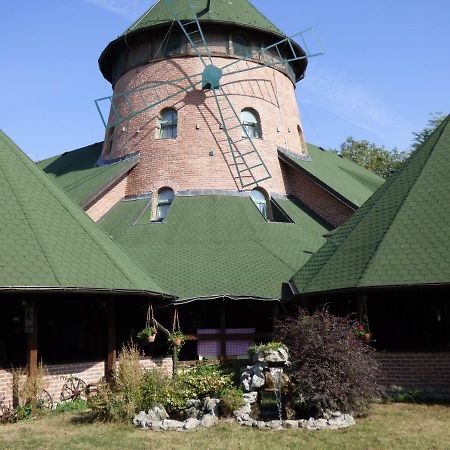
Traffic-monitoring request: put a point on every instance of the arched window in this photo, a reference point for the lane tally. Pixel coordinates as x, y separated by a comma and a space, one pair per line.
250, 122
240, 46
165, 199
259, 199
168, 124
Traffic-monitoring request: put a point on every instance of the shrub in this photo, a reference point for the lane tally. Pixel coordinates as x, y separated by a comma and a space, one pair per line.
231, 400
119, 400
331, 367
199, 382
28, 388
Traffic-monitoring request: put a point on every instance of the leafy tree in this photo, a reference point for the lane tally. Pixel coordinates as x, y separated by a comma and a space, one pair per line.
377, 159
419, 137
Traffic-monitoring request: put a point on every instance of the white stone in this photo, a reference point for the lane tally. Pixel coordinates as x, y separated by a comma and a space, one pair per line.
290, 424
250, 397
171, 425
275, 424
191, 424
208, 421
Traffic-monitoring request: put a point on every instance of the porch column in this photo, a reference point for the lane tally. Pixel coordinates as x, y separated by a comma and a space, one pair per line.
223, 336
111, 339
31, 329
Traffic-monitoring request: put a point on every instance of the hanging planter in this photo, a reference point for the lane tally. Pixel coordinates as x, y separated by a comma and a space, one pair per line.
148, 334
177, 339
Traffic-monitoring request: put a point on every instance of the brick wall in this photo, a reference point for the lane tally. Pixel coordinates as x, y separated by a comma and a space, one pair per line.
315, 196
185, 163
89, 372
6, 392
426, 372
114, 194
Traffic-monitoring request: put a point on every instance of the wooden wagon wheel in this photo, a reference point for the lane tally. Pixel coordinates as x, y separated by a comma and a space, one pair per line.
45, 400
73, 389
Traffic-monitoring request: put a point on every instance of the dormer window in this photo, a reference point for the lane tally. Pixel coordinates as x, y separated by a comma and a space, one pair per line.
168, 124
260, 201
165, 199
251, 123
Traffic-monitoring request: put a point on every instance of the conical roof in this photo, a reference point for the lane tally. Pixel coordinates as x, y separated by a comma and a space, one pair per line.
400, 237
240, 12
47, 241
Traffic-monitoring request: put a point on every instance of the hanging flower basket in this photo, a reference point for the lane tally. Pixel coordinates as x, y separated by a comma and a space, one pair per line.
148, 334
177, 339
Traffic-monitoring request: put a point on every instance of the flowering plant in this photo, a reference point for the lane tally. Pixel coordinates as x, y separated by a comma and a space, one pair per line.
361, 329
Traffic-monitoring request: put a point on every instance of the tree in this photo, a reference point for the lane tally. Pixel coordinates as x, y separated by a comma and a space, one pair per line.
419, 137
377, 159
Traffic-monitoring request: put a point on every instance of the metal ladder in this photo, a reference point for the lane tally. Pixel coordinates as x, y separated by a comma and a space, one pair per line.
242, 157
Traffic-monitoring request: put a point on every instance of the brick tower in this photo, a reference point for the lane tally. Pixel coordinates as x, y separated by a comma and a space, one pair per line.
184, 140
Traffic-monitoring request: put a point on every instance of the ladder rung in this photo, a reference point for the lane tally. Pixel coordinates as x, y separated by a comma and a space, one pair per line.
251, 168
248, 153
189, 23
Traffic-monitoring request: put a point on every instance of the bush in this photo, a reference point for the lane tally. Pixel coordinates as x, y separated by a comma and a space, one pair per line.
231, 400
199, 382
119, 400
331, 367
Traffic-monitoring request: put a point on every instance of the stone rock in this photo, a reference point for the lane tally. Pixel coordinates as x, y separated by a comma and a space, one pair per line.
275, 424
250, 397
171, 425
191, 424
208, 421
280, 355
211, 406
290, 424
261, 424
195, 402
193, 409
243, 411
258, 378
248, 423
155, 425
141, 419
246, 379
332, 423
157, 413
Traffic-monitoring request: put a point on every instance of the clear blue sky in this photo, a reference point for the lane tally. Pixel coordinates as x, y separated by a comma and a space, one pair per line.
385, 69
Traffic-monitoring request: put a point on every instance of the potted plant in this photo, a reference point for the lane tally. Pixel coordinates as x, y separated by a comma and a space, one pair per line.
362, 330
147, 334
176, 340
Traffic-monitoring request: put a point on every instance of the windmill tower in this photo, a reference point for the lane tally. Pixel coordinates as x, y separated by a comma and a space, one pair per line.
204, 90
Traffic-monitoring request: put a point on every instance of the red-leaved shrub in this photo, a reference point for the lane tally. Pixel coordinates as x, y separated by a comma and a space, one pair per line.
332, 369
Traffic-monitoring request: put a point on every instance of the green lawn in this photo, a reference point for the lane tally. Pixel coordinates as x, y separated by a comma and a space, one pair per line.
396, 426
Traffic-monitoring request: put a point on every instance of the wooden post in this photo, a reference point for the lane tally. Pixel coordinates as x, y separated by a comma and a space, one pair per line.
223, 336
276, 315
111, 339
31, 329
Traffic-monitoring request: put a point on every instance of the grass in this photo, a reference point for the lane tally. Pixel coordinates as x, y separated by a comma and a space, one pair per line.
399, 426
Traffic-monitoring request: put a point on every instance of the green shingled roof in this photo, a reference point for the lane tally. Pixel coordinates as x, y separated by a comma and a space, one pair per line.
240, 12
401, 236
216, 245
78, 174
347, 180
47, 241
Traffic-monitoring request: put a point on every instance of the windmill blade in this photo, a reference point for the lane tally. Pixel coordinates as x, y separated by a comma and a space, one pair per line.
191, 28
242, 157
272, 55
123, 106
